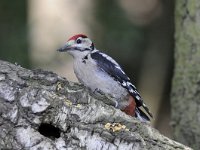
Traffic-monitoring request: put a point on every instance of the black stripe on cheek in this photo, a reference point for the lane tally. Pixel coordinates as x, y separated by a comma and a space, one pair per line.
92, 46
84, 49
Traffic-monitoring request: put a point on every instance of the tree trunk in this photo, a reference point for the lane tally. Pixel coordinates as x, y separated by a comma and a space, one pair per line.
185, 98
41, 110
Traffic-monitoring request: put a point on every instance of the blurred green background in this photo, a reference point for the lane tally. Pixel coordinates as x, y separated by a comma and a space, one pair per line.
13, 29
138, 34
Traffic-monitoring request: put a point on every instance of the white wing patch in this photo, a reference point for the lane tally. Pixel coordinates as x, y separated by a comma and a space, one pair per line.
124, 83
130, 84
109, 58
137, 97
131, 90
118, 67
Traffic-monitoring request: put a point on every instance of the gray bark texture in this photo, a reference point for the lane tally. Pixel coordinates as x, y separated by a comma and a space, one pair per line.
185, 97
41, 110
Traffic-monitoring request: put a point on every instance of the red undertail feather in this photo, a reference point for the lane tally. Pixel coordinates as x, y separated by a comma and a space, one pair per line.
130, 109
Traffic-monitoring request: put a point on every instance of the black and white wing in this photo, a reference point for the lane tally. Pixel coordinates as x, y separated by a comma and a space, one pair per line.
110, 66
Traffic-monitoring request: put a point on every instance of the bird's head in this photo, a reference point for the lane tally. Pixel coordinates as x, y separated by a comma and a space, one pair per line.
78, 45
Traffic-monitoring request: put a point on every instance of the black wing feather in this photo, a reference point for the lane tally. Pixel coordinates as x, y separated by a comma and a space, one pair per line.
108, 66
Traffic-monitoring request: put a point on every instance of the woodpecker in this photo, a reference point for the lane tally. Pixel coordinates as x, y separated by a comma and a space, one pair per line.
99, 72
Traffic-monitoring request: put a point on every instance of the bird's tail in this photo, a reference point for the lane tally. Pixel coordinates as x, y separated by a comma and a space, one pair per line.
147, 109
141, 115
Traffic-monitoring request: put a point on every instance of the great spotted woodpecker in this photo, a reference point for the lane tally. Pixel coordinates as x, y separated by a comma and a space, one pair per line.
98, 71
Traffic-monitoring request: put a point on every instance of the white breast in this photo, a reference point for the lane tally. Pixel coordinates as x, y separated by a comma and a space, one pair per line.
93, 78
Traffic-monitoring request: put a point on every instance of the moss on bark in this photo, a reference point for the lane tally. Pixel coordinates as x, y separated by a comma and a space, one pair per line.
185, 97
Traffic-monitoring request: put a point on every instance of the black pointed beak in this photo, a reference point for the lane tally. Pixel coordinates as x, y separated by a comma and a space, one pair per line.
61, 49
64, 48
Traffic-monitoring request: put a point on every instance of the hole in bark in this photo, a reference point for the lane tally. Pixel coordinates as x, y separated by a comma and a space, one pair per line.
49, 131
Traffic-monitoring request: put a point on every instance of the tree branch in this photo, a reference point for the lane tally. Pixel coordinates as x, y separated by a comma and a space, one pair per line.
41, 110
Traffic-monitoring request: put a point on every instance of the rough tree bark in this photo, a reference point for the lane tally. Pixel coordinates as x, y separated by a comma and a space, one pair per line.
41, 110
185, 98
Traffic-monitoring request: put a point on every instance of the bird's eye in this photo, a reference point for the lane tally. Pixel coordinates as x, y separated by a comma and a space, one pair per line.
78, 41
